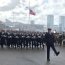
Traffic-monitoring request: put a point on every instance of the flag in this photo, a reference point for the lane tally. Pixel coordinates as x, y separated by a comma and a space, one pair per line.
32, 12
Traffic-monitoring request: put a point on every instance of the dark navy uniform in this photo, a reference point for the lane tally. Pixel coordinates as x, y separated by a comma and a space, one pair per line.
3, 39
49, 38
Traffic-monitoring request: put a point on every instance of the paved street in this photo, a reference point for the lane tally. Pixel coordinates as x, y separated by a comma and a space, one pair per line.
30, 57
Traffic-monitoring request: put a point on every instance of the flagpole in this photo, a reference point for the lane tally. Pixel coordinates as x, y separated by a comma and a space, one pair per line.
29, 11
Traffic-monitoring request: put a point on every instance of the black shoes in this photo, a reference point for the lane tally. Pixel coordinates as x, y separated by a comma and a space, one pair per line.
48, 60
57, 53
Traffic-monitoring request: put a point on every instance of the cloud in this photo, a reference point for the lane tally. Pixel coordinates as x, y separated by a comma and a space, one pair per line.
41, 7
10, 6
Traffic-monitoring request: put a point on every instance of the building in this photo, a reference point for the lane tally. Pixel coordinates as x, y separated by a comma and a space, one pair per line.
50, 21
62, 23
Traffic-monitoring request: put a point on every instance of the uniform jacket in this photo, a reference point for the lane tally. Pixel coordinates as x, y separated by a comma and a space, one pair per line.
49, 38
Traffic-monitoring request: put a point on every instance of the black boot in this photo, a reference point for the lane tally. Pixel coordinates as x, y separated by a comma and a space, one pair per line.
48, 60
57, 53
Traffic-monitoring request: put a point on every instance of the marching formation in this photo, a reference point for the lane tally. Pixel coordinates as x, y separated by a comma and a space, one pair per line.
21, 39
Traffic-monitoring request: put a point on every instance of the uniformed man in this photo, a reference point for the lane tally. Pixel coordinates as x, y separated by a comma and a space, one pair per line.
3, 39
49, 39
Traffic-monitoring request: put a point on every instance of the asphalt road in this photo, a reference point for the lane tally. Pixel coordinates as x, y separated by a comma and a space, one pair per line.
30, 57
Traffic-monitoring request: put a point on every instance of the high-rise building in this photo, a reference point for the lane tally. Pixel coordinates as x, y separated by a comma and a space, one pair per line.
62, 23
45, 1
50, 21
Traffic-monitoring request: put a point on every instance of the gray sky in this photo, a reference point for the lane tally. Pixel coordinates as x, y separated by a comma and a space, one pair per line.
42, 8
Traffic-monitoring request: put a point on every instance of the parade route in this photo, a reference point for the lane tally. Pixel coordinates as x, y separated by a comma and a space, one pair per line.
30, 57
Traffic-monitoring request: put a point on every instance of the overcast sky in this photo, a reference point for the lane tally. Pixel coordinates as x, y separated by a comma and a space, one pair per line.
18, 10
